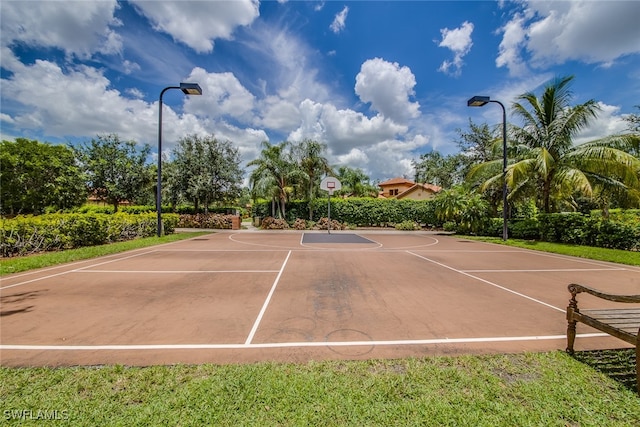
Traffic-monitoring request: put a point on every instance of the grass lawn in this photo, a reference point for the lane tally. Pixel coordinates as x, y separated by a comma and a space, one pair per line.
549, 389
531, 389
590, 252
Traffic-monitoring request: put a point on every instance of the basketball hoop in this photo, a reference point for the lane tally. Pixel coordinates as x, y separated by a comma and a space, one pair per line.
330, 184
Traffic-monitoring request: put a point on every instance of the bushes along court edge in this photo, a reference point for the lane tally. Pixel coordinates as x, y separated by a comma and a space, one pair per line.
24, 235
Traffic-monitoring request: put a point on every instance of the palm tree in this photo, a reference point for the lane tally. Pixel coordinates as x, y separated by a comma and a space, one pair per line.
274, 174
309, 157
548, 166
356, 183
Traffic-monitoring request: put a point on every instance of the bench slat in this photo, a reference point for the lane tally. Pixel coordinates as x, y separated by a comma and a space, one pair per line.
614, 311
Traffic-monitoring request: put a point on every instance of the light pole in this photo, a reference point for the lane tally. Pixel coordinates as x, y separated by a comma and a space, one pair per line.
188, 89
479, 101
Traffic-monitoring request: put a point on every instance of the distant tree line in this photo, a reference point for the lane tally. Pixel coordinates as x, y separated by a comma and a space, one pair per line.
37, 177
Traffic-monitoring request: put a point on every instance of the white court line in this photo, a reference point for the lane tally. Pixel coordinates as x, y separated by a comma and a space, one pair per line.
57, 267
544, 270
248, 345
488, 282
172, 271
221, 250
266, 302
72, 271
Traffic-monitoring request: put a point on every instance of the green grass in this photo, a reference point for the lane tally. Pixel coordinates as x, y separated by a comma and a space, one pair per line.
549, 389
600, 254
18, 264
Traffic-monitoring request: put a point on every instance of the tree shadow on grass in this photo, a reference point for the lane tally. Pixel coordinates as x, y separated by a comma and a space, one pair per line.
618, 364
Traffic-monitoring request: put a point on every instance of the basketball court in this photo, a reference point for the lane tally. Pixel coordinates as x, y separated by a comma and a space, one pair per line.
244, 296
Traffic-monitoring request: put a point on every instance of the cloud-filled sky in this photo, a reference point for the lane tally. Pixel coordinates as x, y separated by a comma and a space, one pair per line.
380, 82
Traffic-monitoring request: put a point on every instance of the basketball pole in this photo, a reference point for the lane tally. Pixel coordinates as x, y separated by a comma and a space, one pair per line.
329, 213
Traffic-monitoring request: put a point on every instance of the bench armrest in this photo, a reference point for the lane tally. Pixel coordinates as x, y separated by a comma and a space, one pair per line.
575, 289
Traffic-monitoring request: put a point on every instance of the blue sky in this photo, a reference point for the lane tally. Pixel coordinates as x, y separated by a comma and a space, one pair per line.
379, 82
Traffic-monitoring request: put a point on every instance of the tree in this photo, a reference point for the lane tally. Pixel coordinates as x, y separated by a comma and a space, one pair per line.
481, 144
205, 170
34, 176
468, 210
355, 182
309, 155
633, 121
443, 171
116, 170
547, 165
274, 175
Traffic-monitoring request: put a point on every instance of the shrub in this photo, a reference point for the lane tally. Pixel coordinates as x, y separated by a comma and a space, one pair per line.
300, 224
271, 223
525, 229
323, 224
616, 235
449, 226
25, 235
568, 227
408, 226
216, 221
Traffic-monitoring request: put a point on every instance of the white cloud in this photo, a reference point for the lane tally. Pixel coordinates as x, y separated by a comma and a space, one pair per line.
79, 28
222, 95
338, 23
130, 67
135, 93
382, 148
459, 42
81, 103
342, 130
509, 50
553, 32
288, 64
197, 24
6, 118
278, 114
387, 86
608, 122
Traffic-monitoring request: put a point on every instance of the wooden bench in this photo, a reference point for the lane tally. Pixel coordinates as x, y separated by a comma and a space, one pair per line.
622, 323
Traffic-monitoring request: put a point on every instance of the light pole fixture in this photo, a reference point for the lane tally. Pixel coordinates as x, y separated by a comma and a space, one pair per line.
188, 89
479, 101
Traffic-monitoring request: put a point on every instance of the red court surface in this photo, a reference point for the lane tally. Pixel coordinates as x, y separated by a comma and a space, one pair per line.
236, 297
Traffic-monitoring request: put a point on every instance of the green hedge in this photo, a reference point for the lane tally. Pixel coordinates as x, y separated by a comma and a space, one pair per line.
24, 235
206, 221
619, 231
139, 209
362, 212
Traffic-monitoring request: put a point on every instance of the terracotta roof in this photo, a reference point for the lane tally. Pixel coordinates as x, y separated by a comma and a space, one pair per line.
396, 181
429, 187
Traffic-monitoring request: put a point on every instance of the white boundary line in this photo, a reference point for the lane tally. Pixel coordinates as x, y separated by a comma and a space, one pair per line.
544, 270
56, 267
488, 282
172, 271
73, 271
249, 345
266, 302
